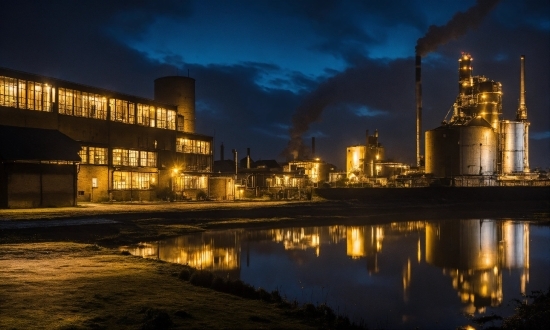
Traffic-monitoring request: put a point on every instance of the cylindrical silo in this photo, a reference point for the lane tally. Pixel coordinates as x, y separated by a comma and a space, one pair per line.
179, 91
478, 148
512, 145
442, 151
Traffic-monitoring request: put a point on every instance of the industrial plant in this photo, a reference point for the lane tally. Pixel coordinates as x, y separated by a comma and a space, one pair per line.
117, 147
475, 146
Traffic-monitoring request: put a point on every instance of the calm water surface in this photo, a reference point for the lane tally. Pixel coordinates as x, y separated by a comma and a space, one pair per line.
430, 274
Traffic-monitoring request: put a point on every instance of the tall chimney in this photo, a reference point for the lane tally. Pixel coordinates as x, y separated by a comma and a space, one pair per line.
222, 156
313, 147
418, 86
247, 157
522, 108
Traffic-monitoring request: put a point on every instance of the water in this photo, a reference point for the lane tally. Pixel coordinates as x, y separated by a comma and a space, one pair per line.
428, 274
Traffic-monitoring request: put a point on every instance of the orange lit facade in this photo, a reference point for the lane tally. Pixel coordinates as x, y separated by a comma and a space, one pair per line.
132, 148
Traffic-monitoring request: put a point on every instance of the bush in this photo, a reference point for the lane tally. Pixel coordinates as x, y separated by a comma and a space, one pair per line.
219, 284
185, 275
202, 278
201, 195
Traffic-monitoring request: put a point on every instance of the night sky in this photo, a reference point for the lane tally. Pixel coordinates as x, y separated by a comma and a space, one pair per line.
263, 69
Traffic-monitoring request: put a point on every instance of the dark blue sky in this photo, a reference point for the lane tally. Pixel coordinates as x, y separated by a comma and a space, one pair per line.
347, 65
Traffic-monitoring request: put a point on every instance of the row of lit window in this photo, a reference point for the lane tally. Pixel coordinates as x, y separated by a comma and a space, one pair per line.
192, 146
121, 157
82, 104
183, 182
134, 180
32, 95
126, 157
24, 94
93, 155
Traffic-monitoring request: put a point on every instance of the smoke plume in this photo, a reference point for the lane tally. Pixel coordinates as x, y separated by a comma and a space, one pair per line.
307, 113
344, 88
456, 27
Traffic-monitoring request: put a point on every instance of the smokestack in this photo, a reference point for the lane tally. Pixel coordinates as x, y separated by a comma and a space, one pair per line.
522, 108
222, 156
247, 157
418, 87
313, 147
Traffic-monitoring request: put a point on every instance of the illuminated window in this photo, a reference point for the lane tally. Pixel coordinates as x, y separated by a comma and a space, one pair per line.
143, 114
77, 105
8, 91
147, 159
192, 146
117, 156
151, 159
97, 156
22, 89
122, 111
96, 105
171, 119
161, 118
189, 182
82, 104
65, 101
133, 157
83, 153
121, 180
133, 180
24, 94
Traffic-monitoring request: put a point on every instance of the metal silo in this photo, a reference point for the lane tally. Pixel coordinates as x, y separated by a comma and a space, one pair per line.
442, 151
478, 148
180, 91
512, 137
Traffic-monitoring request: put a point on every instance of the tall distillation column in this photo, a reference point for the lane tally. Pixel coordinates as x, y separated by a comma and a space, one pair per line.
522, 115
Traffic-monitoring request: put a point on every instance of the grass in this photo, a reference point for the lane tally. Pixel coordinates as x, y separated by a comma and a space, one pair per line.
78, 286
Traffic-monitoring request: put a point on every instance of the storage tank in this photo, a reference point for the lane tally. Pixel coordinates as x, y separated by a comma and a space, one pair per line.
179, 91
469, 149
478, 148
442, 151
512, 137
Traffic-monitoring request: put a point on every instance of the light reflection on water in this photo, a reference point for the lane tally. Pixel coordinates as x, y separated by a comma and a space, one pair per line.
430, 274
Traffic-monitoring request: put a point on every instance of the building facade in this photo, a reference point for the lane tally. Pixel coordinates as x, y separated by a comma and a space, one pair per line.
132, 148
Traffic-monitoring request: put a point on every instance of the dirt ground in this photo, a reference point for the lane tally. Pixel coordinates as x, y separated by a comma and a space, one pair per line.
61, 269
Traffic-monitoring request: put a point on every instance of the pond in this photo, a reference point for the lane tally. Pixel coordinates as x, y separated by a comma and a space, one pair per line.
428, 274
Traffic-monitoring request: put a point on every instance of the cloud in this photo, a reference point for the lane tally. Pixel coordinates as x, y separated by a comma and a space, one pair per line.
540, 135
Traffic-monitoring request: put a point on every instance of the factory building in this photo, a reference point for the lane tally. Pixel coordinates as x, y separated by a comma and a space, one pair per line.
475, 143
367, 164
132, 148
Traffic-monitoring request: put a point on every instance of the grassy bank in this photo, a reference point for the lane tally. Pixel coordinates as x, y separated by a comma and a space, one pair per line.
79, 286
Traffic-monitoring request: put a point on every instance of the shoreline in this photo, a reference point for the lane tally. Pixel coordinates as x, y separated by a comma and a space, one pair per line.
127, 223
68, 257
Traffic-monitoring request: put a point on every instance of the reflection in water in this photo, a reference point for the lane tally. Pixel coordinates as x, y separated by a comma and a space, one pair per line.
472, 254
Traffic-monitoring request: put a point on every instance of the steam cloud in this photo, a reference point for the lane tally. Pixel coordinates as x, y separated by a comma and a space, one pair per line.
329, 92
456, 27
